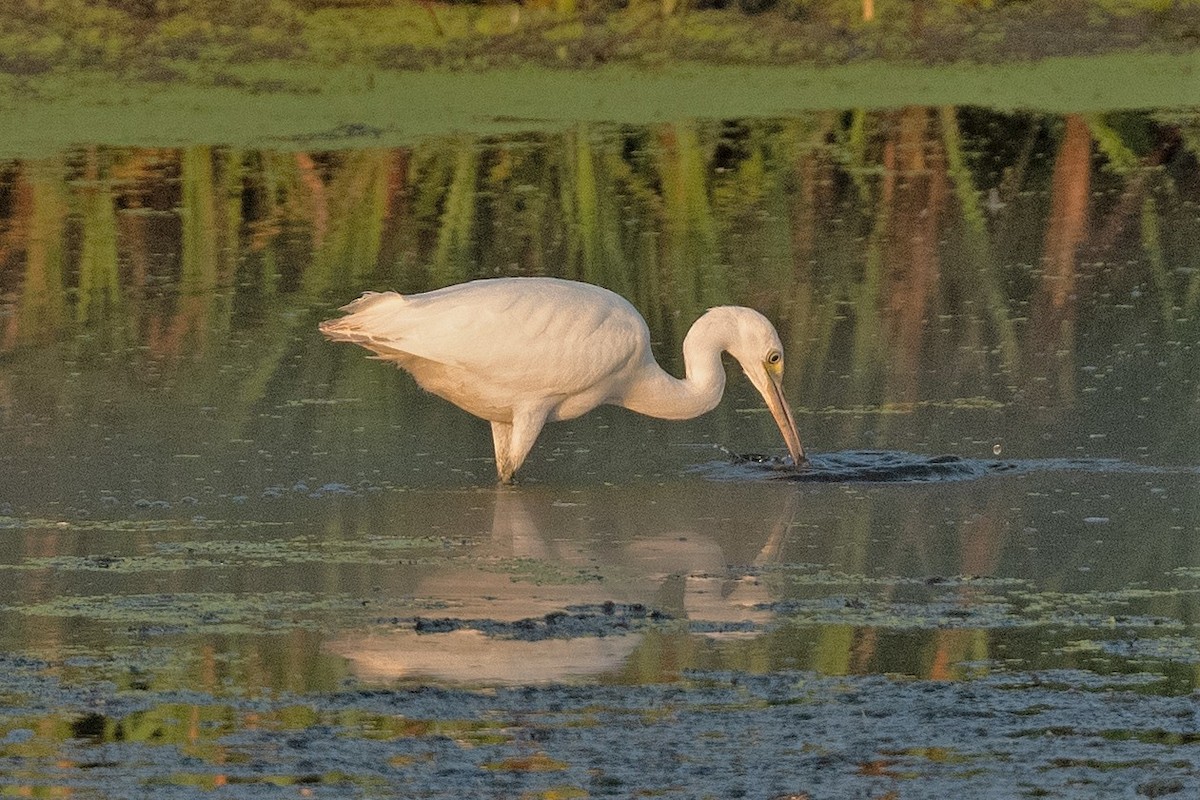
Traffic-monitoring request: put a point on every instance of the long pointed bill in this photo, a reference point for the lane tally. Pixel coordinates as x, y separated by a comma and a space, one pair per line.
773, 394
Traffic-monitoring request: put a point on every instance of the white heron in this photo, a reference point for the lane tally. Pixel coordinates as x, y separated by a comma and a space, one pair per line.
521, 352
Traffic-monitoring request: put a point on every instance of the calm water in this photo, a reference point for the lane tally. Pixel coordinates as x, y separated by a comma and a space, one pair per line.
197, 492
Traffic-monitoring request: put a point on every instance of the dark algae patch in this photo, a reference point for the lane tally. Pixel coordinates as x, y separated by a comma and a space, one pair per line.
607, 619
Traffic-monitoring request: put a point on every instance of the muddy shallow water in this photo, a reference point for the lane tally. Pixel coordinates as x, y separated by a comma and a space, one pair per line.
236, 559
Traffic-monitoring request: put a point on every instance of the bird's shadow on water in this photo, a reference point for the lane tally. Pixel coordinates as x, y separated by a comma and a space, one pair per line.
893, 466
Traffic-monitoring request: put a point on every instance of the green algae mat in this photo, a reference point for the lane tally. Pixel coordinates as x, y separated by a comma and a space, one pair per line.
281, 107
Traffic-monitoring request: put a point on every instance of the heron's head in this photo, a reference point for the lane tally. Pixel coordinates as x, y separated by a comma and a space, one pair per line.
754, 342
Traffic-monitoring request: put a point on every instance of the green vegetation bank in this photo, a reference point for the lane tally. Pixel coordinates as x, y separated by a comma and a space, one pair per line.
207, 41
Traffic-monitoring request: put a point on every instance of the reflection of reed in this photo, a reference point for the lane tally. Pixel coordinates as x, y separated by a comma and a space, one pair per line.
1069, 195
1054, 314
353, 204
852, 230
451, 258
689, 246
913, 266
186, 330
1138, 205
99, 291
38, 227
979, 270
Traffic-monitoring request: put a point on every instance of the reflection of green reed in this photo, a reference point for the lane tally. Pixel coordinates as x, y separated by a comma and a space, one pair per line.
198, 276
799, 220
980, 270
98, 279
198, 212
812, 311
689, 251
451, 258
593, 218
856, 157
1190, 137
42, 305
586, 202
866, 297
1152, 245
1121, 159
355, 201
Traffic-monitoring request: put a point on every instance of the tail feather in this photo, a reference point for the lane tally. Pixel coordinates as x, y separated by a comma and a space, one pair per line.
367, 300
360, 323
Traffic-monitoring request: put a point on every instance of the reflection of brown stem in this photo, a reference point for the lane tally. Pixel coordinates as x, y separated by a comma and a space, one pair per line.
134, 230
1070, 190
41, 308
18, 231
913, 263
981, 543
939, 670
1053, 318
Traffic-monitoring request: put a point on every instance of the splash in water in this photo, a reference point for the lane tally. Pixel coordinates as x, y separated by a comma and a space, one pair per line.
893, 466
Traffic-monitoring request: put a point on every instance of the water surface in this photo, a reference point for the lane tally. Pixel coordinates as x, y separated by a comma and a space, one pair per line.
203, 504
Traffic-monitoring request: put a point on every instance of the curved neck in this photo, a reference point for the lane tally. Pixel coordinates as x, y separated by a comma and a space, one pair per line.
657, 393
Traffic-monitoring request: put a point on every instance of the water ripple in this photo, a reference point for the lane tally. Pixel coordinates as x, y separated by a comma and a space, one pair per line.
894, 466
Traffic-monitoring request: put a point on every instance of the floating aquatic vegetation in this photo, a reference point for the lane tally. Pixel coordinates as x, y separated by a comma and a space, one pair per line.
899, 603
215, 553
111, 563
796, 575
1178, 648
195, 523
539, 571
150, 614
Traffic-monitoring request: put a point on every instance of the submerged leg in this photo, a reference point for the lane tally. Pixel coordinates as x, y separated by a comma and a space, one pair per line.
514, 440
501, 436
525, 429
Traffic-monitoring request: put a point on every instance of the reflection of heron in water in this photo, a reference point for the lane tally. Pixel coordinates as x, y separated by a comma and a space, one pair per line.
521, 352
481, 588
646, 560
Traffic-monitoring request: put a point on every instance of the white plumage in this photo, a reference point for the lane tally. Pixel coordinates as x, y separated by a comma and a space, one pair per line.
520, 352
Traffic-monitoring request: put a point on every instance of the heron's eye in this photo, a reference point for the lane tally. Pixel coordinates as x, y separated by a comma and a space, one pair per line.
774, 357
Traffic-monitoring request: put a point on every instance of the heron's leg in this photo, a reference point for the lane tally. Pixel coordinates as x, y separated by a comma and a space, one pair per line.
526, 426
501, 436
513, 440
